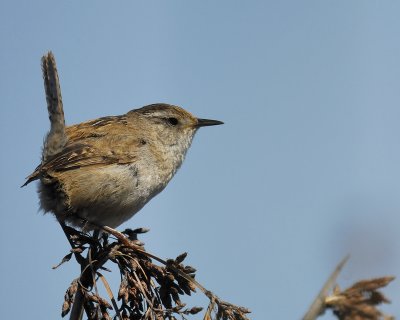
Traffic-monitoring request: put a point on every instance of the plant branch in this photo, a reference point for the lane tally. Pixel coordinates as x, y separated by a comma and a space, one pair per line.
318, 305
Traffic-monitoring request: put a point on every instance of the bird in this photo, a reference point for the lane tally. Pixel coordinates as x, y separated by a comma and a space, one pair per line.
104, 171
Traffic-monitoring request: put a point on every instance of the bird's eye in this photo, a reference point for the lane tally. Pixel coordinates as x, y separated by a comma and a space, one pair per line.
173, 121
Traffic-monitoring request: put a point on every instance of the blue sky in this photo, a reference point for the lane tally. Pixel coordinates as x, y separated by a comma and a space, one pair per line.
305, 170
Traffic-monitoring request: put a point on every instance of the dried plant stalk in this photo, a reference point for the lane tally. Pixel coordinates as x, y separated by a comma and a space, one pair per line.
147, 290
360, 301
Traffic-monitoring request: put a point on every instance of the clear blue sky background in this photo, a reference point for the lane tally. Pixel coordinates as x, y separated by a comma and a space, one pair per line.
305, 170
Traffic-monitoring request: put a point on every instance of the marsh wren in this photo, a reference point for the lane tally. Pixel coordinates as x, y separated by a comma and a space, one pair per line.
109, 168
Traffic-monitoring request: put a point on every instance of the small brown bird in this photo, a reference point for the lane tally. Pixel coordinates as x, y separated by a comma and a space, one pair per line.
107, 169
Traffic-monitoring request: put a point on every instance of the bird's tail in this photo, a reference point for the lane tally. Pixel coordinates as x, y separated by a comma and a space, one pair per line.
56, 138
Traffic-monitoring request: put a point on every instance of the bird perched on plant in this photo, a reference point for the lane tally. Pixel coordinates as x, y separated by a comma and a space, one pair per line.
109, 168
101, 172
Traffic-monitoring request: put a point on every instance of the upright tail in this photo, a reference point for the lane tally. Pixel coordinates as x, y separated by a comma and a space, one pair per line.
56, 138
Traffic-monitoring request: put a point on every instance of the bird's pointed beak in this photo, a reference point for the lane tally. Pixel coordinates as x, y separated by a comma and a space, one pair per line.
207, 122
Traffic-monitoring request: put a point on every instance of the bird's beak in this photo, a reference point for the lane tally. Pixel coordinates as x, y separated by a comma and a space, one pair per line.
207, 122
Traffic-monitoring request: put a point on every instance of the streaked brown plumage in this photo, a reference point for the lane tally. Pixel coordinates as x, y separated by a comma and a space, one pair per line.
110, 167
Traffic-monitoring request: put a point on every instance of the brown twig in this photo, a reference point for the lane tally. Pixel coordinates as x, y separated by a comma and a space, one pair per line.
225, 310
360, 301
318, 305
141, 298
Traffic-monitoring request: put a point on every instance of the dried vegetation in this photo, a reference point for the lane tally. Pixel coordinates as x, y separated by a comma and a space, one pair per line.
360, 301
147, 290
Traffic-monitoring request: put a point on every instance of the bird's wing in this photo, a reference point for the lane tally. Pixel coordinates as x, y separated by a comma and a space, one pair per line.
77, 156
91, 143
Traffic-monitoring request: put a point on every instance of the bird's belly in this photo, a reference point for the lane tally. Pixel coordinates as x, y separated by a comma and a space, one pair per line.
107, 195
